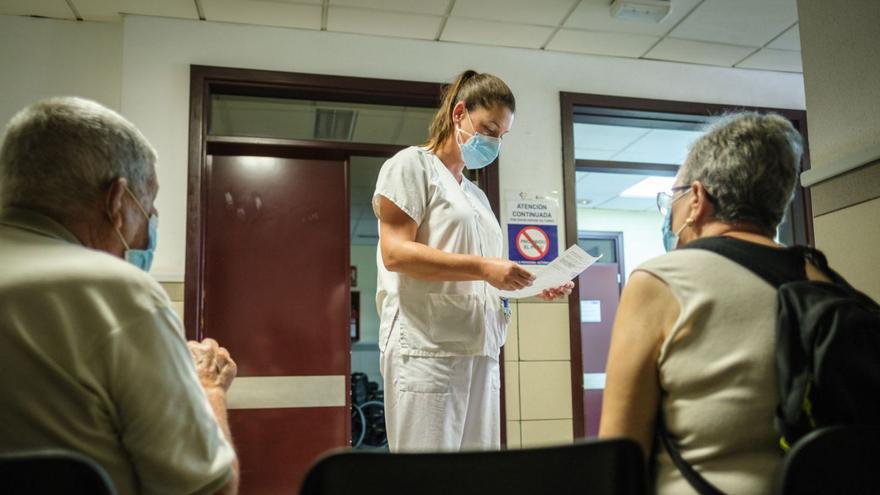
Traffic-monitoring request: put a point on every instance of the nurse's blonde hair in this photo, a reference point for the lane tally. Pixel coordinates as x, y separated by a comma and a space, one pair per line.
474, 89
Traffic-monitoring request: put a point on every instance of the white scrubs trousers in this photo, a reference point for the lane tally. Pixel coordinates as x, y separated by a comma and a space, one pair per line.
440, 403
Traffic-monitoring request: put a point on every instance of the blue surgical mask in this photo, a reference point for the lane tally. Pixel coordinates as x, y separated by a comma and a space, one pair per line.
670, 238
480, 150
142, 258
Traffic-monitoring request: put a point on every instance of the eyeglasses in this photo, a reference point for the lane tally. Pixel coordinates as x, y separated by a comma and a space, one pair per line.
666, 198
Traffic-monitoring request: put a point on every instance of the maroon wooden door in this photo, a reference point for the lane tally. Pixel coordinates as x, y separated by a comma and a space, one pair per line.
276, 294
599, 297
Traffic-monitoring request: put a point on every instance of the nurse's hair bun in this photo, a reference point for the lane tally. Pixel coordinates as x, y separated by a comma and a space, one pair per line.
474, 89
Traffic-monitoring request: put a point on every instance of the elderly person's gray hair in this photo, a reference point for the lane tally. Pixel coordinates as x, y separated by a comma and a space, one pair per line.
59, 154
748, 163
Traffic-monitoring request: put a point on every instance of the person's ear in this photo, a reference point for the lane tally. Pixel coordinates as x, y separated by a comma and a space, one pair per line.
700, 206
113, 201
458, 112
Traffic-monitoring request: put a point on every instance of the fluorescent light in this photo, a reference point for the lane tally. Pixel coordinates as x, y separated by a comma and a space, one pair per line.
640, 10
649, 187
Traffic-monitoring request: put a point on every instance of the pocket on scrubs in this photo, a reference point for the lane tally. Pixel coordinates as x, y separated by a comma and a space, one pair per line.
426, 374
456, 318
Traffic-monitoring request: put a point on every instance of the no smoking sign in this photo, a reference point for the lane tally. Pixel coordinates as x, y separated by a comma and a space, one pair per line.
532, 244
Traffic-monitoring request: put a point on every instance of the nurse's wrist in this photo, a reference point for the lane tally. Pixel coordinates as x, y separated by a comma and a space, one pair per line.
482, 268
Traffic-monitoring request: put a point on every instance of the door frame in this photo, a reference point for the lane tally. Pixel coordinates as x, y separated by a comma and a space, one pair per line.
802, 217
206, 81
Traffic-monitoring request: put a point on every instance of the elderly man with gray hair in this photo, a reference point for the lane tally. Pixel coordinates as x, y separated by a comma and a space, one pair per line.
94, 358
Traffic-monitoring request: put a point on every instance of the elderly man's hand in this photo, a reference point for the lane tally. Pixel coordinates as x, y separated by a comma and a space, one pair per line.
213, 364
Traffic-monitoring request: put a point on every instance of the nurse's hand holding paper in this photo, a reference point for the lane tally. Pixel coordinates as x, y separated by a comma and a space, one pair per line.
560, 292
554, 280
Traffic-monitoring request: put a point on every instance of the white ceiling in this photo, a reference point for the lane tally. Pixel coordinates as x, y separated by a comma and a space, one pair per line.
631, 144
296, 119
752, 34
602, 191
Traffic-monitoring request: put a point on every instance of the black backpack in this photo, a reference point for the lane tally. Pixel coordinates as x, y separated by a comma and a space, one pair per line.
827, 351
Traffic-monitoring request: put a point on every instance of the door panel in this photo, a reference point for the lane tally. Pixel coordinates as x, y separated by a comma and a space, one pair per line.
597, 283
277, 446
276, 294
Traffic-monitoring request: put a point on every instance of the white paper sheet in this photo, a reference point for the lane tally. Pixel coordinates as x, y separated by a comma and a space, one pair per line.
567, 266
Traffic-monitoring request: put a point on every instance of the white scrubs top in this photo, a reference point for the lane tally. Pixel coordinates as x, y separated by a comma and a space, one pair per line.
439, 318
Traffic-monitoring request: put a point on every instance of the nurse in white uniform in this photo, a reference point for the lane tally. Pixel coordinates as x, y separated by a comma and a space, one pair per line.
440, 267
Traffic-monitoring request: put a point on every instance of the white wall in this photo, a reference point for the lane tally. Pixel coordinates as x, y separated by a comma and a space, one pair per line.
841, 70
46, 57
157, 53
642, 239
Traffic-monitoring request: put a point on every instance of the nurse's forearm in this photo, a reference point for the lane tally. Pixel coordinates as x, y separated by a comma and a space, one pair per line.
423, 262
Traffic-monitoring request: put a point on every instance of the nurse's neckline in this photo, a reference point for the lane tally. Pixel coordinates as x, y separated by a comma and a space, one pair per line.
444, 167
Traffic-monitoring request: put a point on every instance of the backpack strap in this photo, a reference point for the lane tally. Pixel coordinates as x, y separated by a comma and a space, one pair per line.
696, 480
742, 253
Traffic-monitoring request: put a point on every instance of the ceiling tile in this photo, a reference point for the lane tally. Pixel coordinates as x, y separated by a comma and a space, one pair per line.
698, 52
631, 204
312, 2
659, 146
741, 22
545, 12
769, 59
414, 128
364, 171
592, 154
56, 9
596, 15
98, 10
163, 8
606, 137
602, 43
600, 187
263, 13
432, 7
495, 33
789, 40
379, 23
377, 126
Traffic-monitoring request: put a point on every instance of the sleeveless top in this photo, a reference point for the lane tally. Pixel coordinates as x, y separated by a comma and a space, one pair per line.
717, 368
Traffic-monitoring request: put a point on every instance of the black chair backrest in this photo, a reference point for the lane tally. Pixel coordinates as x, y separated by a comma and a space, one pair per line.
839, 459
50, 472
597, 467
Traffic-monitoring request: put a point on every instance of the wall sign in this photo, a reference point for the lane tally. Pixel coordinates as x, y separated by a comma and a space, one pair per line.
532, 227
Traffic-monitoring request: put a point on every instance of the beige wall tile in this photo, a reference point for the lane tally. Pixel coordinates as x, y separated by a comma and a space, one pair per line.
545, 390
511, 389
850, 239
514, 439
511, 348
542, 433
174, 290
543, 332
178, 308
